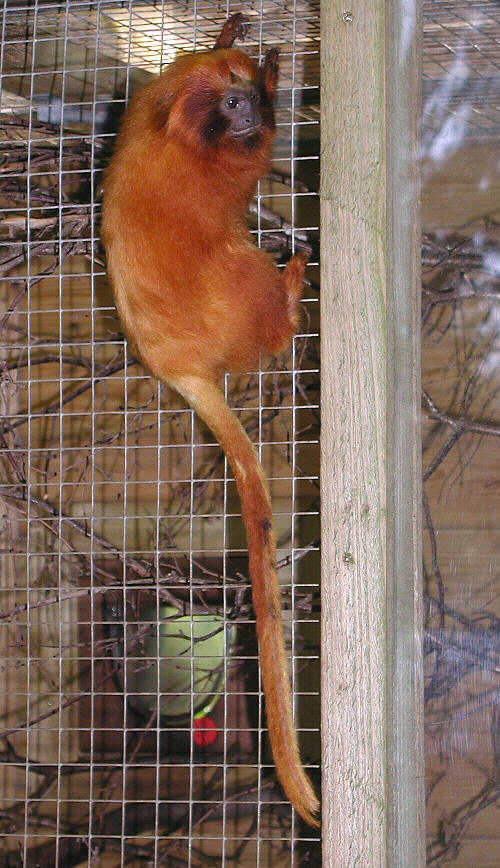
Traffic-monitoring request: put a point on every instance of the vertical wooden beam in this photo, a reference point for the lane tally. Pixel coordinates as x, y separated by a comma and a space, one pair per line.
371, 669
405, 748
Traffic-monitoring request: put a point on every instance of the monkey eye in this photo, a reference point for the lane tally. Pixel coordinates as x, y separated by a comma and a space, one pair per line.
254, 96
231, 102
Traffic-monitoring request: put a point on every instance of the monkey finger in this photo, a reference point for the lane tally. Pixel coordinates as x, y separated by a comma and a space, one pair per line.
302, 257
271, 60
236, 27
242, 29
270, 71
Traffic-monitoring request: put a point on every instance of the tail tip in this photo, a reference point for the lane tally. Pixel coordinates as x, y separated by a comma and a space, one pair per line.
310, 811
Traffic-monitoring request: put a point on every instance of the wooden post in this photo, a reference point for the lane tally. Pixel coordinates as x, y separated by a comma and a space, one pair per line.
371, 592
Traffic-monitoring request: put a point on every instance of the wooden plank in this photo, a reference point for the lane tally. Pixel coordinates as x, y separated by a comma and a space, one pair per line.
372, 765
405, 716
353, 239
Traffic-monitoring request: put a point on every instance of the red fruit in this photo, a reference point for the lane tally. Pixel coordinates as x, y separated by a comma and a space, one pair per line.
204, 731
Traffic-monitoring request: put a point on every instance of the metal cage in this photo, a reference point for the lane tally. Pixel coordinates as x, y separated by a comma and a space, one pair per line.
132, 726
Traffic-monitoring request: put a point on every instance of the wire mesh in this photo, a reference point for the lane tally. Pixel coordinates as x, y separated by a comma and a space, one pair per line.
461, 60
460, 378
129, 735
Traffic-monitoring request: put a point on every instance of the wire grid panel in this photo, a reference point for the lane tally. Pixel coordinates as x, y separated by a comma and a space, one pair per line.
460, 373
131, 718
461, 68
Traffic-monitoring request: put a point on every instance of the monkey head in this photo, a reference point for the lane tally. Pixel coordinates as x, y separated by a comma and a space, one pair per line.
217, 101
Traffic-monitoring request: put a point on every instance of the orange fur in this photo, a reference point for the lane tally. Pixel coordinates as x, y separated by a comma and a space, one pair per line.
196, 298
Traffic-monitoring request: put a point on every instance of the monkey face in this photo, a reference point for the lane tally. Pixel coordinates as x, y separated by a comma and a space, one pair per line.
240, 107
240, 115
221, 99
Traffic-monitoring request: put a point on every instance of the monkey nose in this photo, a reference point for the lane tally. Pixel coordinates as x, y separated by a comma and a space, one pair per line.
251, 115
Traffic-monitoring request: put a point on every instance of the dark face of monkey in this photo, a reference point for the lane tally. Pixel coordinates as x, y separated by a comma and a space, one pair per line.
240, 108
239, 114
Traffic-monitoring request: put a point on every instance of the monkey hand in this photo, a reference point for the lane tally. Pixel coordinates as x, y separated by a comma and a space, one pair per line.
271, 60
236, 27
271, 68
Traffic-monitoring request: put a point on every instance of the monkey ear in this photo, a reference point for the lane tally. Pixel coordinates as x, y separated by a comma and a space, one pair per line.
162, 108
236, 79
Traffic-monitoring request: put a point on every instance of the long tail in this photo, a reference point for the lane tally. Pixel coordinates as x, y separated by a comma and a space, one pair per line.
209, 403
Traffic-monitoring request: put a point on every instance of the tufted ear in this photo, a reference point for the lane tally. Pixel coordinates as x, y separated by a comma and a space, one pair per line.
237, 79
166, 88
162, 108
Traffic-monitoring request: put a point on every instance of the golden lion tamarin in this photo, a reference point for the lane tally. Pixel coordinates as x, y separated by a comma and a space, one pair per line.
196, 297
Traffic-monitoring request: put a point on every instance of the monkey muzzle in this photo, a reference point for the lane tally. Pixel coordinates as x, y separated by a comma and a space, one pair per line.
242, 111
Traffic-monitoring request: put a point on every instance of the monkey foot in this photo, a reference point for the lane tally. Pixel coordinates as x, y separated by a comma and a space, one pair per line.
301, 257
294, 277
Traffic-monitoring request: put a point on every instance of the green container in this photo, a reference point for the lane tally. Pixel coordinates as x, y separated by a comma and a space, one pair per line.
192, 648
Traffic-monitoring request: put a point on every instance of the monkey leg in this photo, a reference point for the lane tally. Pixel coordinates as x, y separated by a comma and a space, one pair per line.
281, 307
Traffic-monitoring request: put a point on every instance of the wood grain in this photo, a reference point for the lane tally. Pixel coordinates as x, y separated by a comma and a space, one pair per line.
370, 469
405, 751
